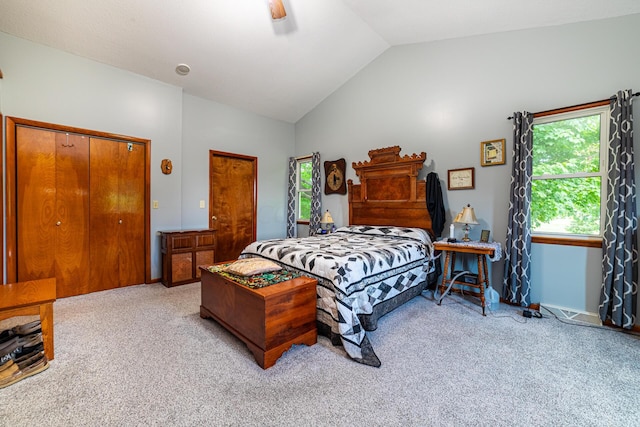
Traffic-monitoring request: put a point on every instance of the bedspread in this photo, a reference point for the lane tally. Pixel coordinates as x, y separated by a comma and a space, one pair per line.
357, 267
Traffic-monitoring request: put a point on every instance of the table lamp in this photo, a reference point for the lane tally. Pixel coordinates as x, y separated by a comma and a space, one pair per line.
326, 223
466, 216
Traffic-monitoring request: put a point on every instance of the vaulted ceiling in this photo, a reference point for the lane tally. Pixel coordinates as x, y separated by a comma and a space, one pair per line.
282, 69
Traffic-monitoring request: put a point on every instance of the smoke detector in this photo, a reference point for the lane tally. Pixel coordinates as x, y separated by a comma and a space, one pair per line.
182, 69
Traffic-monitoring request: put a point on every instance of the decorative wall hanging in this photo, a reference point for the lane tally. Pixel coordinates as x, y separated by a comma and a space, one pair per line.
334, 181
492, 152
461, 179
166, 166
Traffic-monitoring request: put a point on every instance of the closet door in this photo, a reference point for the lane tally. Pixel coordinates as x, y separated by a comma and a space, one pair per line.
103, 214
131, 186
116, 214
52, 208
72, 214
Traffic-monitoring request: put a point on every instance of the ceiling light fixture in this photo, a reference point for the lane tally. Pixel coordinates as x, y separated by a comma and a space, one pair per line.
183, 69
277, 10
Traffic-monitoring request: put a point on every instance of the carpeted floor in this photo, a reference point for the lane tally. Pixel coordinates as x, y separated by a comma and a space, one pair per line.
142, 356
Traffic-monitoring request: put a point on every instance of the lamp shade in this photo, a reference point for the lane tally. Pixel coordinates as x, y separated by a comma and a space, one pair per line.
467, 216
326, 217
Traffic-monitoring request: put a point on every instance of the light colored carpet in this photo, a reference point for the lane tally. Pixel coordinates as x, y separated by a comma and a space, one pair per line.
142, 356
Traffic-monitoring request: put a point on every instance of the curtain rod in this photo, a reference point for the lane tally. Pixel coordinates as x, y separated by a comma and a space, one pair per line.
586, 105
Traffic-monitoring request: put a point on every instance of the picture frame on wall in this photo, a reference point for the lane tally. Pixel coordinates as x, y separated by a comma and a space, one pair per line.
461, 179
492, 152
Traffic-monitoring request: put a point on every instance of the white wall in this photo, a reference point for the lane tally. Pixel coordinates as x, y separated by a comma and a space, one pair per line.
212, 126
446, 97
52, 86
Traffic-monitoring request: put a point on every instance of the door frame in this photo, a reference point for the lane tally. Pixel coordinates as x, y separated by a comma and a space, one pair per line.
10, 186
2, 204
252, 159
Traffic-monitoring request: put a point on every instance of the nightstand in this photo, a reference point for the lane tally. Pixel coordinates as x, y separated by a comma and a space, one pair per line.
183, 251
481, 250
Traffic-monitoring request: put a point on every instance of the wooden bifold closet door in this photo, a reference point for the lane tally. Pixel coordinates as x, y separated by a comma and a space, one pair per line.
116, 207
80, 210
53, 208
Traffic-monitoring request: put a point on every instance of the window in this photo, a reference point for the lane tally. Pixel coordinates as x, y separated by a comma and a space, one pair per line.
303, 189
568, 192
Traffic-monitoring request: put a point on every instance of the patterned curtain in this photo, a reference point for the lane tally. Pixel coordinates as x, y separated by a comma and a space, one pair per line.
291, 202
516, 288
618, 299
316, 195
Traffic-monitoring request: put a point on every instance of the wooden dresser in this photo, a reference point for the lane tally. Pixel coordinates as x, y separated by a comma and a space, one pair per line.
183, 251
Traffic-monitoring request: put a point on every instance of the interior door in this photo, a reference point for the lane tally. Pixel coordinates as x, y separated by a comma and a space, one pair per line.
232, 202
117, 214
104, 230
49, 204
131, 204
52, 178
72, 209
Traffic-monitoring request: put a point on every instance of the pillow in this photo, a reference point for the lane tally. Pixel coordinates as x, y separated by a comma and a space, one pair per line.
390, 231
251, 266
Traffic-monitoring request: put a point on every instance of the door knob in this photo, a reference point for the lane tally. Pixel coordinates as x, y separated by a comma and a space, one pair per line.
58, 223
119, 221
214, 218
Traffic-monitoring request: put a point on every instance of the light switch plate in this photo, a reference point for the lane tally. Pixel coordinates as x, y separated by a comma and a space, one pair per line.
201, 204
155, 204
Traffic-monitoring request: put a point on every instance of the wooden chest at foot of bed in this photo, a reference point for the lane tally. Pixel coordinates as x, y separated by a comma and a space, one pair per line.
268, 320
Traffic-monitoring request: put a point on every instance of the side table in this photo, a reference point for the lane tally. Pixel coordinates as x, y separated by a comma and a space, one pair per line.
481, 250
183, 251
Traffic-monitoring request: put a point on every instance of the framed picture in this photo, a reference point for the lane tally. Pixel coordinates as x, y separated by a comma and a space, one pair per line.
492, 152
334, 181
461, 179
484, 236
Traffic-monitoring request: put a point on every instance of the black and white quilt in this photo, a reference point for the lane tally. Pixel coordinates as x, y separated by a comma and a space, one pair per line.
357, 267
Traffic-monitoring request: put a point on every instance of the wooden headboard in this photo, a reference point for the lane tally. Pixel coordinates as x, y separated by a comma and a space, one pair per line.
389, 192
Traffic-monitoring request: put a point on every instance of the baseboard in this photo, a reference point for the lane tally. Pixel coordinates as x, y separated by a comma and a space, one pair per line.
573, 314
533, 306
635, 328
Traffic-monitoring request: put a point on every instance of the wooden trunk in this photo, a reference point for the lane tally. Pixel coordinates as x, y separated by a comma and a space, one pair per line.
268, 320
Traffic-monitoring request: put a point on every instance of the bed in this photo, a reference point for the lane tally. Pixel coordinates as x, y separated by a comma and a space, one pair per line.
380, 261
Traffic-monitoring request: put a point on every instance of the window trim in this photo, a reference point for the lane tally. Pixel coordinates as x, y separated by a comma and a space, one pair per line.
587, 242
299, 162
598, 107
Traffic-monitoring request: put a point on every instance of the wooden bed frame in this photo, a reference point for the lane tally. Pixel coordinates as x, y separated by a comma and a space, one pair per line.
389, 192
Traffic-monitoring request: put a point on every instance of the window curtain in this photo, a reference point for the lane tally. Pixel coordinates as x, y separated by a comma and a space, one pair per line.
618, 299
516, 287
291, 202
316, 195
